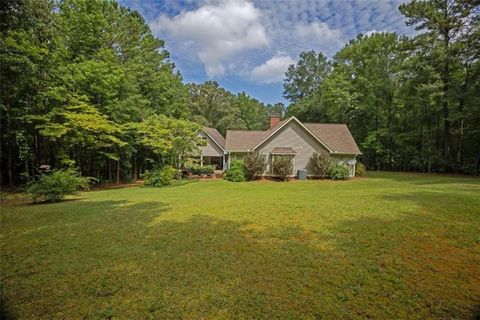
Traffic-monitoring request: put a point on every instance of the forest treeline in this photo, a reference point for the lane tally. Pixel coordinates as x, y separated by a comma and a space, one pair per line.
412, 103
85, 84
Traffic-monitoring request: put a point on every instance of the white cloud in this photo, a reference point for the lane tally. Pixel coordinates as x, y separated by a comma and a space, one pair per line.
273, 70
243, 38
321, 36
216, 31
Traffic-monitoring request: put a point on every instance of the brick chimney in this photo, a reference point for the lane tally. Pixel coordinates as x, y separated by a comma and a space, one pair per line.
274, 119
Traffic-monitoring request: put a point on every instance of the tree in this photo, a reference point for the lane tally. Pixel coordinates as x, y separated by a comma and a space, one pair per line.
278, 108
169, 139
362, 91
306, 76
251, 111
216, 107
26, 39
447, 21
210, 101
75, 75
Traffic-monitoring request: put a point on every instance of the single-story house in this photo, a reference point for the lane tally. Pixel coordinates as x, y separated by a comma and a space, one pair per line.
288, 137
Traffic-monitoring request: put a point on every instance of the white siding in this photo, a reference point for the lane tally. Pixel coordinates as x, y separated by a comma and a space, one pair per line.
295, 137
211, 149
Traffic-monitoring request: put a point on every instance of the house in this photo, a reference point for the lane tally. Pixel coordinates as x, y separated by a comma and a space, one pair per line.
289, 137
212, 151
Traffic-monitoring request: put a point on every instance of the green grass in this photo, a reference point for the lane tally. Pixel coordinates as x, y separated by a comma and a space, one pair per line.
387, 246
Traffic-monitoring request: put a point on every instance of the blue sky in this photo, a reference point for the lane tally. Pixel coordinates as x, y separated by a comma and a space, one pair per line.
248, 45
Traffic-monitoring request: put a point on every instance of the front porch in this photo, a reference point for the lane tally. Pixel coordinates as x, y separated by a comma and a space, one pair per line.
219, 162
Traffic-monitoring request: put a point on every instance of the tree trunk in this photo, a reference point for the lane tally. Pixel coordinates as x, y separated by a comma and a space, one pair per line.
118, 171
461, 108
390, 134
478, 161
110, 170
10, 165
460, 147
9, 149
446, 121
135, 176
446, 84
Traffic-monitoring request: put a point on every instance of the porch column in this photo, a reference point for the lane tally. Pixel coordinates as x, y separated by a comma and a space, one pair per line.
201, 160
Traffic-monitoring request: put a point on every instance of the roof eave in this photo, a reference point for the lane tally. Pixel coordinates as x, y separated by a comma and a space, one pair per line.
349, 153
213, 139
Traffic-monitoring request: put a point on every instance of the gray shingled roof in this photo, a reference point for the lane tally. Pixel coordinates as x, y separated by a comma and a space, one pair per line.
244, 140
336, 136
215, 135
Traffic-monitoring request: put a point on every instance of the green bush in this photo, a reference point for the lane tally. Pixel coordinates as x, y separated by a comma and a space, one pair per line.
254, 165
319, 165
56, 185
161, 176
339, 172
208, 170
205, 170
236, 172
282, 167
360, 169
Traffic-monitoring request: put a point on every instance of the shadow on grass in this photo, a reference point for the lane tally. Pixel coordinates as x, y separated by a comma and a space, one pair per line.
450, 202
476, 315
429, 265
176, 183
355, 270
45, 202
5, 312
118, 265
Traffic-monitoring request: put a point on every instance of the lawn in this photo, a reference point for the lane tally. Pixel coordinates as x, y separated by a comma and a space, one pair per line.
387, 246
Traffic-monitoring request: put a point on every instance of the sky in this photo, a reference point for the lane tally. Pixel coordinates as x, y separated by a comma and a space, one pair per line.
248, 45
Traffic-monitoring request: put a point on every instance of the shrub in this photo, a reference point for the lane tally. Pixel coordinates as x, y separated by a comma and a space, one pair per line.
282, 167
339, 172
236, 172
319, 165
208, 170
160, 176
199, 170
254, 165
56, 185
359, 169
